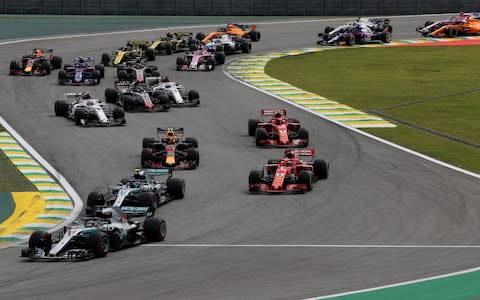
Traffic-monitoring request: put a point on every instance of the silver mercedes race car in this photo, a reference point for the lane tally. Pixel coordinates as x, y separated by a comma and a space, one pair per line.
86, 111
110, 229
139, 194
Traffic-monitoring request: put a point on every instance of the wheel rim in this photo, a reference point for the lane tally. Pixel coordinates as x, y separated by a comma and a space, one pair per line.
105, 245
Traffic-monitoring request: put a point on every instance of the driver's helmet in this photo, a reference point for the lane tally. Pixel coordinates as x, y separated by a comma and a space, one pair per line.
210, 46
90, 103
290, 154
91, 223
86, 95
140, 174
170, 137
134, 184
37, 52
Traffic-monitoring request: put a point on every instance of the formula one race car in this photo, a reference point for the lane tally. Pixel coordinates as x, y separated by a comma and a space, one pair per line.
290, 174
139, 194
84, 71
135, 71
138, 96
463, 24
178, 94
203, 59
170, 150
230, 44
173, 42
86, 111
110, 229
133, 51
278, 131
361, 31
40, 62
239, 30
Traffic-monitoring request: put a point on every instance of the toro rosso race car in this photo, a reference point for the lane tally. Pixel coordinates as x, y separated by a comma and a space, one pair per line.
39, 62
134, 50
463, 24
289, 174
83, 71
278, 131
86, 111
170, 150
203, 59
110, 229
139, 194
361, 31
138, 96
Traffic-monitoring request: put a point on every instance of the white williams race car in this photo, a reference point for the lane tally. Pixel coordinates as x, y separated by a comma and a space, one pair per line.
86, 111
177, 94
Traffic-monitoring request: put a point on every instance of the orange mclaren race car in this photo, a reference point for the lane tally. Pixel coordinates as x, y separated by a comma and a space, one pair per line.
463, 24
243, 30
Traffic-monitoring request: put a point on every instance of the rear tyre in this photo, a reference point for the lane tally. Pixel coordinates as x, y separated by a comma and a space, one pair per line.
328, 29
303, 134
220, 57
386, 37
155, 229
105, 59
147, 199
61, 108
260, 136
320, 169
111, 95
304, 177
100, 69
193, 141
252, 126
176, 188
200, 36
246, 47
122, 75
150, 54
56, 62
168, 49
42, 240
147, 142
96, 76
254, 35
95, 199
99, 243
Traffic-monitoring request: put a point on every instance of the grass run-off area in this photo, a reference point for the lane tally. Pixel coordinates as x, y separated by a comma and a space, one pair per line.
11, 180
431, 93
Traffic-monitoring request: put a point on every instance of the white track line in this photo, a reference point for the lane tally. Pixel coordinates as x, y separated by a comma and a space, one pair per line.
313, 246
396, 284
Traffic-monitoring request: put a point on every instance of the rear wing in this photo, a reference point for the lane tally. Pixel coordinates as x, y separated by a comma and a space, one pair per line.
271, 112
302, 152
73, 96
180, 34
86, 59
164, 130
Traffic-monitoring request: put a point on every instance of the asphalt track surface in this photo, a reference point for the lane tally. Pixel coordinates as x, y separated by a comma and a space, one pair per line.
376, 194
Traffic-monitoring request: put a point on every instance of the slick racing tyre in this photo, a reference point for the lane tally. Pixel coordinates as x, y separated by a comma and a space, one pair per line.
193, 157
176, 188
191, 140
305, 178
252, 126
260, 136
61, 108
254, 178
155, 229
42, 240
99, 243
320, 169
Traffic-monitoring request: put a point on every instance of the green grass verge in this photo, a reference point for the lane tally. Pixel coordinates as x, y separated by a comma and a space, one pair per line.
11, 180
430, 88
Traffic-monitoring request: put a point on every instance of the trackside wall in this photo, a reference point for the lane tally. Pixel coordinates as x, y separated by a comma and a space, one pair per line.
237, 7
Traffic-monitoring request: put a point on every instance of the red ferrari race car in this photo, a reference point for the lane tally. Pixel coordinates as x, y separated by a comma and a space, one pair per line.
279, 131
289, 174
170, 150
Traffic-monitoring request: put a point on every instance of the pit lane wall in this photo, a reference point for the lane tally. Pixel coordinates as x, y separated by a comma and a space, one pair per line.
237, 7
43, 209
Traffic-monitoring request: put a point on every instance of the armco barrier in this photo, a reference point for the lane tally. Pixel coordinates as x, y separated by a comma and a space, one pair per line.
237, 7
